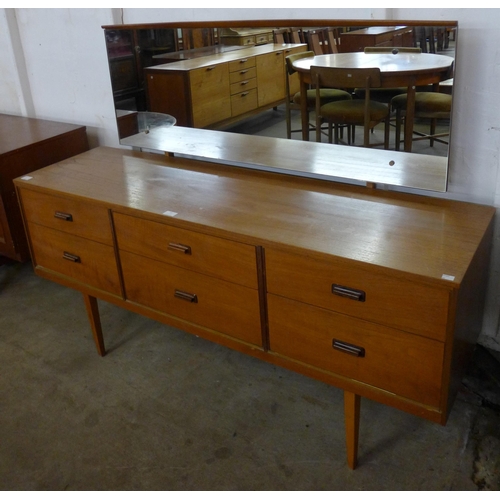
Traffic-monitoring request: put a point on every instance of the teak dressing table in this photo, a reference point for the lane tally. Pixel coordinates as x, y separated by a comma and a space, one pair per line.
377, 292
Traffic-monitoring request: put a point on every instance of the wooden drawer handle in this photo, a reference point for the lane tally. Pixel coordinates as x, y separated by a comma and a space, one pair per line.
64, 216
190, 297
71, 257
349, 293
351, 349
180, 248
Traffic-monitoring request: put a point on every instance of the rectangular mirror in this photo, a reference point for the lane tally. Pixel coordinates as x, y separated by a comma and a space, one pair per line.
230, 76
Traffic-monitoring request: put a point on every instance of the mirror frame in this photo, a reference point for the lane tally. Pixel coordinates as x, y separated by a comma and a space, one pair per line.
305, 23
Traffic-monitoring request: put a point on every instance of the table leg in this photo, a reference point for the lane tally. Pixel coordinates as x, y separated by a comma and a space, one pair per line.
351, 415
410, 117
304, 113
95, 322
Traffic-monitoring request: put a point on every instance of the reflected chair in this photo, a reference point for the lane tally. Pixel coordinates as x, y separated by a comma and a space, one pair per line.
428, 105
294, 101
295, 36
280, 36
315, 41
355, 112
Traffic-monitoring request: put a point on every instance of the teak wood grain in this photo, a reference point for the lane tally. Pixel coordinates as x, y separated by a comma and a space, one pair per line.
421, 263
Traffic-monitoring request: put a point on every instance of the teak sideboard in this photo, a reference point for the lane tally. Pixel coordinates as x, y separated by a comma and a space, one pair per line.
214, 91
376, 292
25, 145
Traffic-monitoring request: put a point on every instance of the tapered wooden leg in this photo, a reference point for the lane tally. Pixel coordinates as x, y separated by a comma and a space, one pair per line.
95, 322
351, 415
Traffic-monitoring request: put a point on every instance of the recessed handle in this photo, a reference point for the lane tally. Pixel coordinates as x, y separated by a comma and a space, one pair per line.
190, 297
210, 68
351, 349
71, 257
180, 248
63, 216
349, 293
243, 61
244, 94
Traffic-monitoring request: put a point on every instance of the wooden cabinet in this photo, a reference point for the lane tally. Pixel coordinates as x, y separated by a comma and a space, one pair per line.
376, 292
377, 36
217, 90
246, 36
27, 144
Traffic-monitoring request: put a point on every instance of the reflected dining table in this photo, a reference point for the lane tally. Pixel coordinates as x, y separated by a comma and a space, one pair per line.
398, 69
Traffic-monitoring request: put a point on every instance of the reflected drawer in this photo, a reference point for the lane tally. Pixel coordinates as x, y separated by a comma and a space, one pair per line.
215, 304
243, 86
244, 102
344, 288
247, 62
70, 215
242, 74
209, 255
78, 258
402, 363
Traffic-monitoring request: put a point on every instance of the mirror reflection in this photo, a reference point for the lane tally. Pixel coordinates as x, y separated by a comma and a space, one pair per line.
233, 78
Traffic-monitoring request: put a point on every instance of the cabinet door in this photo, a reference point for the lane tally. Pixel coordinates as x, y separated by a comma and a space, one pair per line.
271, 77
210, 95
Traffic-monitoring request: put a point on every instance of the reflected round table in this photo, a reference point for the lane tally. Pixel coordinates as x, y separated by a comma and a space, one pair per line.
396, 70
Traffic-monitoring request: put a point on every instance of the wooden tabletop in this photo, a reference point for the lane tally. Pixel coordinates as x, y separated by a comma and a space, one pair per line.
427, 238
400, 64
324, 161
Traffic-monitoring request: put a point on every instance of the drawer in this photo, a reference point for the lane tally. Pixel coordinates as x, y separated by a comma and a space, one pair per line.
244, 102
246, 62
78, 258
387, 300
402, 363
224, 259
242, 74
263, 38
243, 86
80, 218
209, 302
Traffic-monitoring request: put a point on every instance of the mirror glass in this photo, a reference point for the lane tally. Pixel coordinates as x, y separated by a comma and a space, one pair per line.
157, 69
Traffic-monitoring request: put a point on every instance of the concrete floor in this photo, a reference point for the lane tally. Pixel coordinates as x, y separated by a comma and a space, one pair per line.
165, 410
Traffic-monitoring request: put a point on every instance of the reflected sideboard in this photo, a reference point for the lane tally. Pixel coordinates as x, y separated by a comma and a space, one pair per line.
376, 292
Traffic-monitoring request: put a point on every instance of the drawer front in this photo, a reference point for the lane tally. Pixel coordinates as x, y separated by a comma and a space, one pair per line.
224, 259
240, 64
387, 300
243, 86
242, 74
263, 38
78, 258
244, 102
402, 363
69, 215
219, 305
